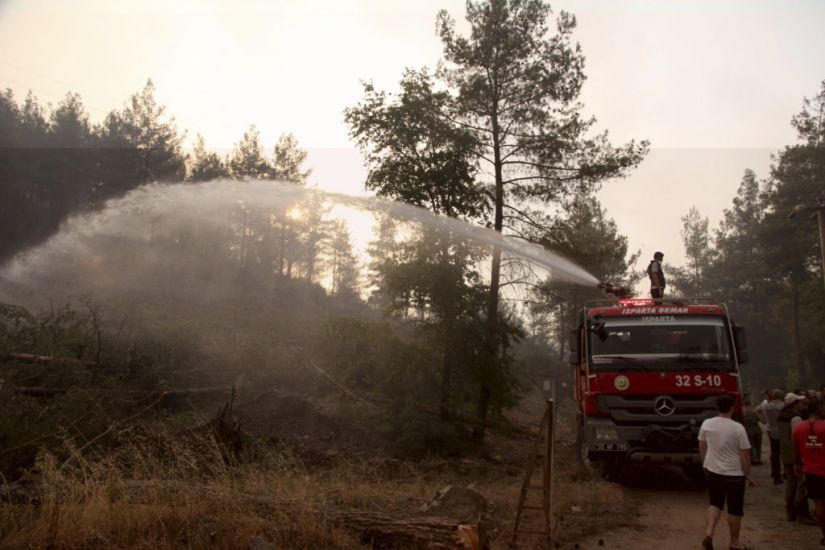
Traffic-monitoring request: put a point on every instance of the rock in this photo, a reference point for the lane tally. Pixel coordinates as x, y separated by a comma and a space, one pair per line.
461, 503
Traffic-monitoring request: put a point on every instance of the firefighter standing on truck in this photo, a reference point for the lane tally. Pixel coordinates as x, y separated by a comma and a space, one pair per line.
657, 276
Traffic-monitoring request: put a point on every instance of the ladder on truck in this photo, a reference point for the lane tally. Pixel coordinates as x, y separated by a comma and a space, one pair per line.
540, 464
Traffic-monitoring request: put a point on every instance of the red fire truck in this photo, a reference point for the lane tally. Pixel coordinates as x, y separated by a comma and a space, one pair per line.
647, 374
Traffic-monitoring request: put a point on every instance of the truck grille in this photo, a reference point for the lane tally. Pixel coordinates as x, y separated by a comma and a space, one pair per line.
639, 410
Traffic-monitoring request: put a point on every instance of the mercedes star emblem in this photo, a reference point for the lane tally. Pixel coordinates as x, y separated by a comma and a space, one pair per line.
664, 405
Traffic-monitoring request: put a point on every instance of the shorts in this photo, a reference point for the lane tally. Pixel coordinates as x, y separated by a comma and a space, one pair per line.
816, 486
727, 488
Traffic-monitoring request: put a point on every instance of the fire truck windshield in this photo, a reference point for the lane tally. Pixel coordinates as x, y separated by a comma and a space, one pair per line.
665, 342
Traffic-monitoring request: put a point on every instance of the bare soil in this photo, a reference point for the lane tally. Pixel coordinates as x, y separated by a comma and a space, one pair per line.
666, 511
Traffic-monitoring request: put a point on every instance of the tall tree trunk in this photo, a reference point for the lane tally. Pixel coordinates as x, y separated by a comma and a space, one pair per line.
492, 298
310, 258
449, 340
446, 369
282, 253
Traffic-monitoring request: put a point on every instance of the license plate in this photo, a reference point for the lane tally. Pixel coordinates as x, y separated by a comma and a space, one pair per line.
610, 447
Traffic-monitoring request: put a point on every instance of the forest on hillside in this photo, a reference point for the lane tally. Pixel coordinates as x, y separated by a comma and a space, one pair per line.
57, 164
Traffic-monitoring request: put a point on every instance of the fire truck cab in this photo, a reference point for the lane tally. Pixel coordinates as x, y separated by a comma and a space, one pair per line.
647, 374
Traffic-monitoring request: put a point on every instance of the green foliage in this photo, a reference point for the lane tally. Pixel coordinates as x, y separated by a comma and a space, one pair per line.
585, 236
342, 263
247, 159
54, 164
415, 153
692, 280
516, 86
766, 267
70, 338
503, 103
287, 159
140, 125
416, 435
205, 165
397, 376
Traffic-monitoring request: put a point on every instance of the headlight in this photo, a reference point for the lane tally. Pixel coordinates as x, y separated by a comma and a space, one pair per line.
605, 433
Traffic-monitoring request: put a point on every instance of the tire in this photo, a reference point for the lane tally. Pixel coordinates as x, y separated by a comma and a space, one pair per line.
591, 466
696, 474
611, 470
581, 452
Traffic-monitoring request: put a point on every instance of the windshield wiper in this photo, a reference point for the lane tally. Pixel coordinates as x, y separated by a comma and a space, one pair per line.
700, 369
638, 365
688, 358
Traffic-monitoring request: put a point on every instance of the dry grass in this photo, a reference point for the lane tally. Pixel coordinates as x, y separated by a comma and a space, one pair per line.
158, 489
179, 494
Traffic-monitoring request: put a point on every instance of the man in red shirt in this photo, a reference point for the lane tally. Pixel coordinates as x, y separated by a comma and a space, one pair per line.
809, 443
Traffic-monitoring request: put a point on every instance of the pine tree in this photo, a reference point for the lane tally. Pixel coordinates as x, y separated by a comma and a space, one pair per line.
517, 87
692, 280
205, 165
247, 159
141, 125
287, 160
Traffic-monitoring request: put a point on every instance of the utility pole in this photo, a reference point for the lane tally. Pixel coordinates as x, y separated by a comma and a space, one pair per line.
817, 210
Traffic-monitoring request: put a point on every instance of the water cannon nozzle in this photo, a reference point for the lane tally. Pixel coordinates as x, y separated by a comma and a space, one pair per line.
620, 292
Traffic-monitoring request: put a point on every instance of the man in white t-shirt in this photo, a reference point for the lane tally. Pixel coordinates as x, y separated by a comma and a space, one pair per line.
723, 444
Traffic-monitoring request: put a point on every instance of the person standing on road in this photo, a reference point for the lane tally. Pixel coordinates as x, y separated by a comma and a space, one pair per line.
725, 451
796, 496
767, 395
657, 277
770, 415
809, 442
754, 431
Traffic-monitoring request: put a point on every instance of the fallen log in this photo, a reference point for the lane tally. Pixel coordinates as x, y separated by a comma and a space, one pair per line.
379, 529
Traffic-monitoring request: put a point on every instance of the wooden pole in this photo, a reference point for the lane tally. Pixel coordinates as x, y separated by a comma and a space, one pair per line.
548, 471
543, 450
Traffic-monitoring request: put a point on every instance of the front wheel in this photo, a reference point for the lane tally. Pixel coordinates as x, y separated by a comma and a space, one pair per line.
607, 468
696, 474
612, 469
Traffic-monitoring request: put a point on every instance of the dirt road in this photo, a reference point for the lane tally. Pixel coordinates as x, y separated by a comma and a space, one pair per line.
670, 514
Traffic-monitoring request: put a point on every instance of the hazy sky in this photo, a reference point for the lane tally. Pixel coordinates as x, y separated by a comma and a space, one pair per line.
712, 84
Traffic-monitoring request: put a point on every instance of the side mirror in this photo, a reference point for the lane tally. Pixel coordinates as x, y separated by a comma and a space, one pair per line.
598, 329
741, 338
573, 358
